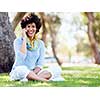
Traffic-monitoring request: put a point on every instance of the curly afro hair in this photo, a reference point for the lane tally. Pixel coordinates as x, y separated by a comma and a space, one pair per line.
32, 18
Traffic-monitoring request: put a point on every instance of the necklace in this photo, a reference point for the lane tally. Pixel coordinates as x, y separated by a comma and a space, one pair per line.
33, 45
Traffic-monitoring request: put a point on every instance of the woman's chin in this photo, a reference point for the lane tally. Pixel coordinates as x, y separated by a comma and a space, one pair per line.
30, 35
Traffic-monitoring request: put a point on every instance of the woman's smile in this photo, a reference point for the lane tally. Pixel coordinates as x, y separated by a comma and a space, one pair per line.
31, 29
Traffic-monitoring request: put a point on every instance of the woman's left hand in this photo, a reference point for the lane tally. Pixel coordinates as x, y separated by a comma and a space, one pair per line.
36, 70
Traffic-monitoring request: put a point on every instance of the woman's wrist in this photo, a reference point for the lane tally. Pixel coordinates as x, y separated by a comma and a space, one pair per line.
36, 70
23, 38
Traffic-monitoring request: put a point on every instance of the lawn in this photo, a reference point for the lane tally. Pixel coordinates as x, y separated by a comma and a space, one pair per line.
75, 76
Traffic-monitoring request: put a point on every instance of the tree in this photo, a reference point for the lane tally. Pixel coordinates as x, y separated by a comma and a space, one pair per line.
6, 43
44, 28
17, 18
91, 33
96, 27
53, 21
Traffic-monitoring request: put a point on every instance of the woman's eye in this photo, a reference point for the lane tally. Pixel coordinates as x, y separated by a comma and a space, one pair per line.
28, 26
33, 26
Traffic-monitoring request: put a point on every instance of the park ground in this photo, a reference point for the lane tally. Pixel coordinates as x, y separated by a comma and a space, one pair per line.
75, 76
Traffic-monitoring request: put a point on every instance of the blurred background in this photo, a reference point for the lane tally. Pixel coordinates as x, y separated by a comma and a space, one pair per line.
70, 38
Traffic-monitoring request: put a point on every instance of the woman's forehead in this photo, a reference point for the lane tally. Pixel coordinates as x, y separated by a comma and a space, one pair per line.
31, 23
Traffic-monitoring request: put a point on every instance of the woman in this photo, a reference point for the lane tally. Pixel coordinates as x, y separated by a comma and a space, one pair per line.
29, 53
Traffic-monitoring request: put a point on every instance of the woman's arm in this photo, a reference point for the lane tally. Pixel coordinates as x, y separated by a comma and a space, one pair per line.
23, 48
40, 60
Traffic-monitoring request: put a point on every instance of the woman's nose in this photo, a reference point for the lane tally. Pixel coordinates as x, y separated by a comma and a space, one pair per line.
31, 28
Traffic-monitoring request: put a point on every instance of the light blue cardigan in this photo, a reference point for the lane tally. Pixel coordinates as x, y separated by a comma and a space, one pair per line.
31, 59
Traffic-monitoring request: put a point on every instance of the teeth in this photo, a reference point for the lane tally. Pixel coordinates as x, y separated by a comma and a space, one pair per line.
30, 32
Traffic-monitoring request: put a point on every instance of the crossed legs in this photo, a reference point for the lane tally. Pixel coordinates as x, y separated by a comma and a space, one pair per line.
43, 76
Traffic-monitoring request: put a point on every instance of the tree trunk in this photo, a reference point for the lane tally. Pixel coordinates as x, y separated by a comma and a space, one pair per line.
17, 19
6, 43
53, 36
93, 42
53, 41
44, 33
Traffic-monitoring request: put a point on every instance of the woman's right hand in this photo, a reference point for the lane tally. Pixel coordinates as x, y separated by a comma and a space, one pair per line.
24, 33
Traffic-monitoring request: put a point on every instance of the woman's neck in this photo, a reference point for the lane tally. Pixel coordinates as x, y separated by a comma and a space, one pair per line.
31, 38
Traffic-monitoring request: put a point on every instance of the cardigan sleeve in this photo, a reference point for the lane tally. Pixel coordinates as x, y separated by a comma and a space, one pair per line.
40, 60
17, 45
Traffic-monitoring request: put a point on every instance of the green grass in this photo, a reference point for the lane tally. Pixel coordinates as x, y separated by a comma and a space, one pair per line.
74, 77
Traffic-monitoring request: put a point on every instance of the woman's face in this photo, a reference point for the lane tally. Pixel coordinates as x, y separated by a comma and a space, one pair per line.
30, 30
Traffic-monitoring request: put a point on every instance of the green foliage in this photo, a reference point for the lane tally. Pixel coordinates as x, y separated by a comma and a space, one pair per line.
96, 27
75, 76
83, 48
84, 18
18, 31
